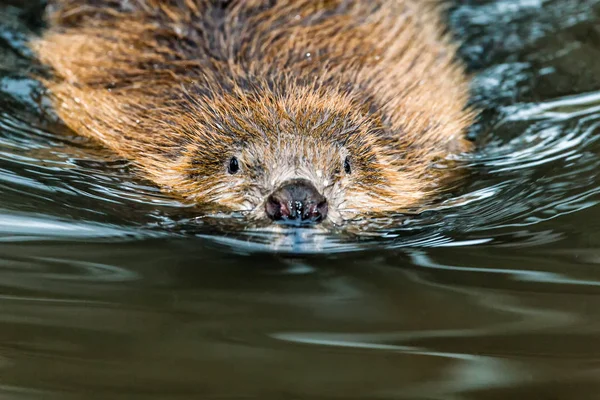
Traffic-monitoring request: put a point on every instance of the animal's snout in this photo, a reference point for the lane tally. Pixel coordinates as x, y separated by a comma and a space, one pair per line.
296, 200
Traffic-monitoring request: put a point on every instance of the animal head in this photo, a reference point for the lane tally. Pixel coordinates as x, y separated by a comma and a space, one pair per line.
288, 110
304, 155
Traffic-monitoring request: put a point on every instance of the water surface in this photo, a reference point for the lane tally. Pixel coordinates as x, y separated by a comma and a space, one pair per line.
109, 289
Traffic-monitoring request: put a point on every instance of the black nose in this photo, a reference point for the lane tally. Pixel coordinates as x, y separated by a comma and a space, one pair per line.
296, 200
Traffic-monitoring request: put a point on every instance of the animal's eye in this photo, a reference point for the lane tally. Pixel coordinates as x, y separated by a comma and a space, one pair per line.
347, 166
234, 166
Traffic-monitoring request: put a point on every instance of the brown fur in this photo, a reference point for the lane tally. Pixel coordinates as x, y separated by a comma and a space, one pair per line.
290, 87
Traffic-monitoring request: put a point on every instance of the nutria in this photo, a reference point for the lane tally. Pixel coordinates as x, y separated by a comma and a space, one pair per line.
293, 109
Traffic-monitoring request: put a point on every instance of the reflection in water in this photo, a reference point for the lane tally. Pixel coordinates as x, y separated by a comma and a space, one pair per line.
469, 372
110, 289
421, 259
15, 228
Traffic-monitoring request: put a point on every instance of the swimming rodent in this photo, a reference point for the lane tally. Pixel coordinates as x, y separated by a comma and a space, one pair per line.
303, 110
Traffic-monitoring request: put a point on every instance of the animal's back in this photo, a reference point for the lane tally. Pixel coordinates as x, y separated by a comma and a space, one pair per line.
171, 84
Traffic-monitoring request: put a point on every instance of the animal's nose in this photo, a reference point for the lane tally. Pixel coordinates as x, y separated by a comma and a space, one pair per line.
296, 200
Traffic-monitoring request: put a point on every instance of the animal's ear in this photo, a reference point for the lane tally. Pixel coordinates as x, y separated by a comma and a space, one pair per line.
459, 145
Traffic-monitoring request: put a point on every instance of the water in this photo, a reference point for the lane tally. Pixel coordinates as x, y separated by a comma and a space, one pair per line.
109, 289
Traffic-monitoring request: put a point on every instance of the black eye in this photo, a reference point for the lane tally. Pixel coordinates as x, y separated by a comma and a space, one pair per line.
347, 166
234, 166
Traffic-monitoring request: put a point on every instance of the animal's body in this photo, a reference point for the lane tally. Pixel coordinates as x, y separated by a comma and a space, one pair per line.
308, 109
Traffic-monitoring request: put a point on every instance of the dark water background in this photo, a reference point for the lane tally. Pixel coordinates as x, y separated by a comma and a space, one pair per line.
110, 290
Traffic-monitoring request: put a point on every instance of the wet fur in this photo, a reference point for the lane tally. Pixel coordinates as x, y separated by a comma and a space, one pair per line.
289, 87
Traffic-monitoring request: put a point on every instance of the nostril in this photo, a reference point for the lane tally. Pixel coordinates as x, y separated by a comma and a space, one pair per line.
315, 211
275, 209
322, 209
